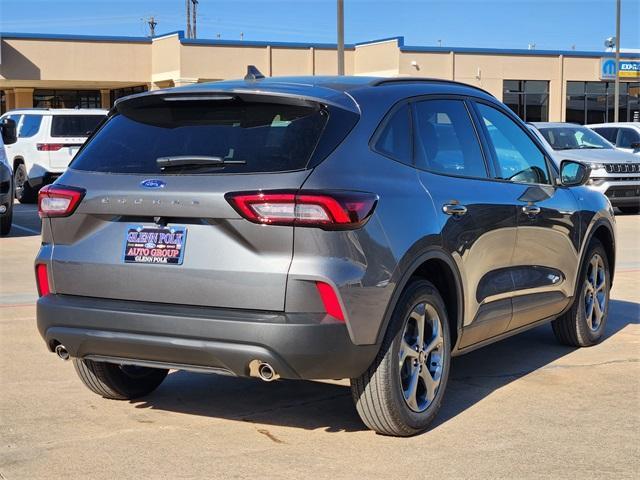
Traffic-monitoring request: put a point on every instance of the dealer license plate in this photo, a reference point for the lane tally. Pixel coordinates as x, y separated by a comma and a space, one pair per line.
162, 245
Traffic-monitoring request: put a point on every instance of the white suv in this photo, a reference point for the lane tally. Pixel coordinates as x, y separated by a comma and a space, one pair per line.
47, 141
624, 135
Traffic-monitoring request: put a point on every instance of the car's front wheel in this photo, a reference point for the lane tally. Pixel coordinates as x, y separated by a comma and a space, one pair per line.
118, 382
584, 324
401, 392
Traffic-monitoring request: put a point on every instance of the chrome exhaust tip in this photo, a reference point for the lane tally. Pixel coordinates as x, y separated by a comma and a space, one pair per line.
263, 371
62, 352
267, 373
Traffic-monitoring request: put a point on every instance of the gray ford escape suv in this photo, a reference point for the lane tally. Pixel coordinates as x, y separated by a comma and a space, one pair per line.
309, 228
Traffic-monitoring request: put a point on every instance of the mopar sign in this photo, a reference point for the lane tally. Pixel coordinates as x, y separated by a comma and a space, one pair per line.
628, 70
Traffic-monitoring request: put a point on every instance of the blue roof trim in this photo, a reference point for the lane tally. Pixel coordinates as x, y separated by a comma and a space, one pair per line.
400, 41
81, 38
250, 43
515, 51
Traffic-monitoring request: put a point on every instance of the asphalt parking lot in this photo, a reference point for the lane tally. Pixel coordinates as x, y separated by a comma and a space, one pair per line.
523, 408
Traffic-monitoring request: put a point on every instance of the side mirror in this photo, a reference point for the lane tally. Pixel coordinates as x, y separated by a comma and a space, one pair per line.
635, 145
9, 131
573, 174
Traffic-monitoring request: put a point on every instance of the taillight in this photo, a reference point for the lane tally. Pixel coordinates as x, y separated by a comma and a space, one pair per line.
58, 200
330, 300
49, 147
42, 280
331, 210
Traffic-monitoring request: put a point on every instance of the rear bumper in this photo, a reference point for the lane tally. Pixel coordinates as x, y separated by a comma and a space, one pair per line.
298, 346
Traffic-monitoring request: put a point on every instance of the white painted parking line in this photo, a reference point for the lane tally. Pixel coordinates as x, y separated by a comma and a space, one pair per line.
25, 229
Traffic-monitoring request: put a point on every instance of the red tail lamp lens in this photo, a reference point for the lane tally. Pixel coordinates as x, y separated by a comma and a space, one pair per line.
58, 200
42, 280
49, 147
330, 300
326, 210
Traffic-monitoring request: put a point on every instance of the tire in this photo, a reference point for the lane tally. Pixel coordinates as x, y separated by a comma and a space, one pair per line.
379, 393
118, 382
24, 192
6, 220
584, 324
630, 210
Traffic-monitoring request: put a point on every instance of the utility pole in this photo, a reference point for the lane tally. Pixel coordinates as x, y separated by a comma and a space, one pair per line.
340, 20
616, 94
195, 16
188, 5
152, 26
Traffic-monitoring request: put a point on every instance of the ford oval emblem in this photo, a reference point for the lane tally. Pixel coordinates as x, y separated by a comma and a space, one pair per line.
152, 183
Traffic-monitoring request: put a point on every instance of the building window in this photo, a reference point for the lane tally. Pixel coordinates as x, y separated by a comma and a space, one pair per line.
529, 99
123, 92
593, 102
3, 102
67, 99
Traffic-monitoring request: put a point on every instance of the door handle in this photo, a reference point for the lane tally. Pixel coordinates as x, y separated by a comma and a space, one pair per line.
454, 209
531, 210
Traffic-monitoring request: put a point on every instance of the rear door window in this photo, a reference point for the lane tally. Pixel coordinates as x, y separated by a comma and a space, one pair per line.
445, 139
244, 137
395, 139
74, 125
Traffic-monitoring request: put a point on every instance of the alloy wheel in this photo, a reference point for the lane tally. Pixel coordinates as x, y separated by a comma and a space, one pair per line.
595, 292
19, 180
421, 357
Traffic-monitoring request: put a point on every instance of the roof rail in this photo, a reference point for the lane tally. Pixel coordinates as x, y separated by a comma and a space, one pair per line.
385, 81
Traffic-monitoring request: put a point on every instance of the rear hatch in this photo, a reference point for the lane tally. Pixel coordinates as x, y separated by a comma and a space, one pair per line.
256, 143
68, 133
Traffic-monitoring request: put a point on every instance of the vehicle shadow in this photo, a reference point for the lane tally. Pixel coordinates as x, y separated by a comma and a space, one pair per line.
26, 222
328, 406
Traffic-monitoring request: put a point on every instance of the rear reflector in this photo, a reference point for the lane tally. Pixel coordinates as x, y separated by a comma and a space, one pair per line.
42, 280
49, 147
330, 300
58, 200
327, 210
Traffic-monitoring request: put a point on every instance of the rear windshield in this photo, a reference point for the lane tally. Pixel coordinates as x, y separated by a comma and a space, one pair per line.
239, 137
74, 125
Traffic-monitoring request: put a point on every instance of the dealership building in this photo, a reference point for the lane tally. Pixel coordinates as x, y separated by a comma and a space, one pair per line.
93, 71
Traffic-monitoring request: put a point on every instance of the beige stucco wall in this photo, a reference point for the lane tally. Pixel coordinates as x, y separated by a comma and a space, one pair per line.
38, 61
377, 59
219, 62
166, 61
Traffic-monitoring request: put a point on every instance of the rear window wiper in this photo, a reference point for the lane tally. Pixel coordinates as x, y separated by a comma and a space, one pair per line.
197, 161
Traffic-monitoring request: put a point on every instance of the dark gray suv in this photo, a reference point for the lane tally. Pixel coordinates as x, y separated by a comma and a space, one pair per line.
316, 227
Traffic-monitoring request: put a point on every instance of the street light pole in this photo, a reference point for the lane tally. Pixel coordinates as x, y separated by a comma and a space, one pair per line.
616, 94
340, 37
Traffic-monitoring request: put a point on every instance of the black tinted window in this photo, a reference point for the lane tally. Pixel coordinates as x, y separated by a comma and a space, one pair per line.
250, 137
74, 125
395, 140
607, 132
627, 137
446, 141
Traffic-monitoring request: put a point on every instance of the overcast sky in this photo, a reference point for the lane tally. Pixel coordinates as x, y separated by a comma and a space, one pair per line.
549, 24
